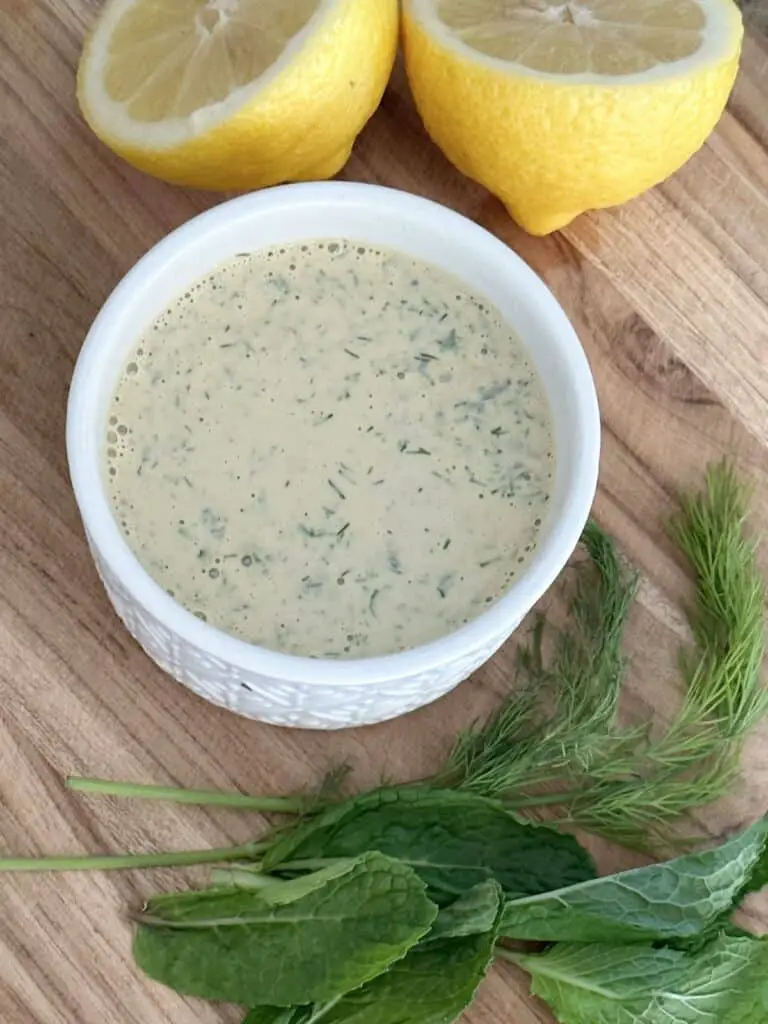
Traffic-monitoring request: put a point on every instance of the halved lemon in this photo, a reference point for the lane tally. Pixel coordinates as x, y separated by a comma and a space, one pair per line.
561, 107
236, 94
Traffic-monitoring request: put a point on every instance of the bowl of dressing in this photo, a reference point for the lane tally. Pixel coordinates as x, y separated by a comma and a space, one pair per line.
330, 443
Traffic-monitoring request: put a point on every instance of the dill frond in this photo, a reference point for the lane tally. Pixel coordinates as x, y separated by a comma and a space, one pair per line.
522, 744
724, 676
620, 782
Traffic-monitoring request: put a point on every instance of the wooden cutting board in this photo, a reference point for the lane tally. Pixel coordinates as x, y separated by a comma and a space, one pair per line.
670, 297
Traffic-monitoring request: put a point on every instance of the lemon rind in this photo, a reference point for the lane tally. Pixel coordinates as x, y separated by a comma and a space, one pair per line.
112, 116
722, 40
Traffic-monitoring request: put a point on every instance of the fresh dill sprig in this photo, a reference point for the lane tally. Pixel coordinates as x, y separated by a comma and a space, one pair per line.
724, 677
521, 745
616, 781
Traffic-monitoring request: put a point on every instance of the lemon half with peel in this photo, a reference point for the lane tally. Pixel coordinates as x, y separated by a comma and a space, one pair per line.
236, 94
562, 107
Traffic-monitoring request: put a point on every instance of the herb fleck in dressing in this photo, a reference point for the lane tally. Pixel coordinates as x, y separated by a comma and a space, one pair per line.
330, 450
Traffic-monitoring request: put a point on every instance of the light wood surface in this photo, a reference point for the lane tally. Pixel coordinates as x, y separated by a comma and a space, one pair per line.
670, 297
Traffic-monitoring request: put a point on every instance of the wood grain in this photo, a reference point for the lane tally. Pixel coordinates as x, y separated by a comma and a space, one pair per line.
670, 297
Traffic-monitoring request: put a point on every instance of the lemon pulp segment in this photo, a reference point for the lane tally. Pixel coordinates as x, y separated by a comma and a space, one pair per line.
236, 94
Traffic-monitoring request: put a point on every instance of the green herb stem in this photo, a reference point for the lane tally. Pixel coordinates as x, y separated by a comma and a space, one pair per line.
132, 861
242, 876
203, 797
509, 955
323, 1011
542, 800
314, 864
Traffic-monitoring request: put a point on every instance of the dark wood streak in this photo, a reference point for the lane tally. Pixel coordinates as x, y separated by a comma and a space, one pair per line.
755, 15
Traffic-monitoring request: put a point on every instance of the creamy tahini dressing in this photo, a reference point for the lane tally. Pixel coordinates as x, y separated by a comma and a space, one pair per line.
330, 450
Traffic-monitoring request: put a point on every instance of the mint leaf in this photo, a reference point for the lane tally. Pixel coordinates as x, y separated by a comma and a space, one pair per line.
453, 840
332, 933
757, 878
433, 984
675, 900
726, 983
473, 913
278, 1015
755, 881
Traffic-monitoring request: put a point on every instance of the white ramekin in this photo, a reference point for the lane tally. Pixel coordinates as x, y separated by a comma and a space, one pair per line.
280, 688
